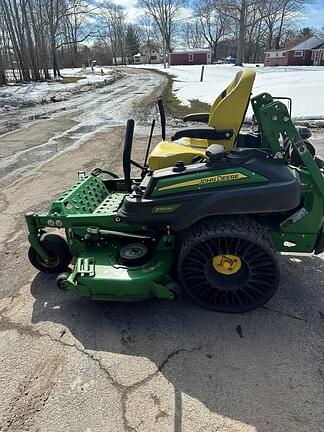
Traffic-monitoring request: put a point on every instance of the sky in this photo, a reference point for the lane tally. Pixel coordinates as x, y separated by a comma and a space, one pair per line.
313, 15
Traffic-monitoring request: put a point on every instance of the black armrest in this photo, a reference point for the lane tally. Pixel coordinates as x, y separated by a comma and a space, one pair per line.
197, 117
319, 161
204, 133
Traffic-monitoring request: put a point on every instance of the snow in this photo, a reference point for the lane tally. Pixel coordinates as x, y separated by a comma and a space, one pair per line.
304, 84
16, 95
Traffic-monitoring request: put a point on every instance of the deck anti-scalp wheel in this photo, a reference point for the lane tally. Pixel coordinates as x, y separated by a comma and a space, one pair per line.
58, 253
229, 264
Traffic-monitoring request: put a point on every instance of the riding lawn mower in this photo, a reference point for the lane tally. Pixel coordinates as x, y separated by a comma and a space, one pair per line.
210, 211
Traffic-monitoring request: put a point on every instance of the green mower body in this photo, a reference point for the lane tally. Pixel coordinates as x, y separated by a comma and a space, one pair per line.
214, 225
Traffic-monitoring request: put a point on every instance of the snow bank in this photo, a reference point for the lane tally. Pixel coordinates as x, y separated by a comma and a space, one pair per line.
304, 84
33, 93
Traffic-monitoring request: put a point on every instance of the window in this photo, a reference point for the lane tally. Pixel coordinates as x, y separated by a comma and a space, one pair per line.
277, 54
190, 57
284, 54
298, 53
268, 54
153, 57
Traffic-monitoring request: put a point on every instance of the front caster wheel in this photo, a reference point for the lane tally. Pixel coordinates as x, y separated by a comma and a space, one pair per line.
229, 265
59, 256
61, 278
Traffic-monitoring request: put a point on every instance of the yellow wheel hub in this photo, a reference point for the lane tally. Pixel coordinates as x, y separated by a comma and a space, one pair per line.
227, 264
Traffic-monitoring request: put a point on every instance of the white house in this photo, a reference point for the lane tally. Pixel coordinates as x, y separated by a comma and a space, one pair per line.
149, 54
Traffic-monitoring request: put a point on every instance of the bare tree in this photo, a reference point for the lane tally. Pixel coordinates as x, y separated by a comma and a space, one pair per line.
192, 34
214, 23
255, 17
244, 14
113, 30
75, 28
288, 9
146, 25
164, 13
64, 18
34, 30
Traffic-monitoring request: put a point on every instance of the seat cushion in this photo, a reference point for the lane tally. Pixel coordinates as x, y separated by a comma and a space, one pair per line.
167, 153
203, 143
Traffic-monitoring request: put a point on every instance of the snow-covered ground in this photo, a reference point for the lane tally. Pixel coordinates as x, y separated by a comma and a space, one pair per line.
305, 84
17, 95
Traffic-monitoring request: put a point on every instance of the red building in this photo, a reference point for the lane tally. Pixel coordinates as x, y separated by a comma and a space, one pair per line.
300, 55
318, 56
190, 57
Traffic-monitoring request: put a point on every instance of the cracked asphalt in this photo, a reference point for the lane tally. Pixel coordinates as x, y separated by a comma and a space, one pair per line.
70, 364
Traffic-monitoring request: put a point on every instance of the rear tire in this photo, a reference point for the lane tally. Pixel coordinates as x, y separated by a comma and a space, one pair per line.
229, 264
58, 252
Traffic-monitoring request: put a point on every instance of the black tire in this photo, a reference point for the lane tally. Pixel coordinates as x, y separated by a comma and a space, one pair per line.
255, 281
58, 251
174, 288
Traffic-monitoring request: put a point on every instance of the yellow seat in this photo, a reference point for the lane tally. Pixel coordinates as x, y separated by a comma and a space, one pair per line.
167, 153
227, 112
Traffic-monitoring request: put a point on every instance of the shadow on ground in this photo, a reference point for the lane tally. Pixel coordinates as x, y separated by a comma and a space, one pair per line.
264, 368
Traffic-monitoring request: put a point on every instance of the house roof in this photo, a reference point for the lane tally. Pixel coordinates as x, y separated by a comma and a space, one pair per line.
320, 47
310, 43
150, 45
278, 50
192, 51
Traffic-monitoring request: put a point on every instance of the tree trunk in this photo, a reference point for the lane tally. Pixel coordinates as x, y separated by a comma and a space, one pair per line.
56, 69
277, 42
215, 46
240, 56
3, 77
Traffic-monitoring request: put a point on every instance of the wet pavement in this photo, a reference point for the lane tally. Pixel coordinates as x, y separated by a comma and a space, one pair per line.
84, 115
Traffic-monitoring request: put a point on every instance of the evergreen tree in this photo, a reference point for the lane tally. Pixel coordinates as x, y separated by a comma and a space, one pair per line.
132, 41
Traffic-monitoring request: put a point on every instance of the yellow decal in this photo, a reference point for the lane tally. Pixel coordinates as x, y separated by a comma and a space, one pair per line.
206, 180
227, 264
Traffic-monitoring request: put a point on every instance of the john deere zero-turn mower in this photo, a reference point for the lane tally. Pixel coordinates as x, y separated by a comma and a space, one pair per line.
211, 210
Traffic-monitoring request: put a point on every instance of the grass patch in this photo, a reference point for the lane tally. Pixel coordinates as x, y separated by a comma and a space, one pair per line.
175, 108
67, 80
71, 79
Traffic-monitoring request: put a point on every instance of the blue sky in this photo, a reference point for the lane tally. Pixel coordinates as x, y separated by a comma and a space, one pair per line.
314, 15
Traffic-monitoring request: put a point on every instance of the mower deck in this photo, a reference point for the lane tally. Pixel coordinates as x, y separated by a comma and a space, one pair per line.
98, 273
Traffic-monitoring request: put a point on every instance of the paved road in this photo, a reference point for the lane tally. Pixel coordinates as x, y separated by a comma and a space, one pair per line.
70, 123
68, 364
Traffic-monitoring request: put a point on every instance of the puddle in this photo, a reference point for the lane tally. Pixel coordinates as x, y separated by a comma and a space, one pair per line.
21, 119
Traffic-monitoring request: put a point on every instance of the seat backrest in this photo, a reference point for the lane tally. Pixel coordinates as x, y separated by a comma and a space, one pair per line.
228, 110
